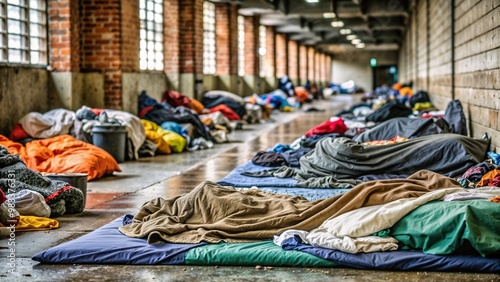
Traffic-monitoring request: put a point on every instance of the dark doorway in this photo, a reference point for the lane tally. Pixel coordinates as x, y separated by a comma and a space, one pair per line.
384, 75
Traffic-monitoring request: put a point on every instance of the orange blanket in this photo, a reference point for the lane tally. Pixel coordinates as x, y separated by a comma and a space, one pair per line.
63, 154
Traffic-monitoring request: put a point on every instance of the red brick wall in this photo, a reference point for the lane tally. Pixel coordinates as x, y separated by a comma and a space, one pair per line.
101, 50
329, 68
226, 38
171, 36
322, 66
64, 35
317, 67
130, 35
270, 58
310, 63
101, 35
302, 63
281, 55
251, 46
293, 53
191, 36
233, 42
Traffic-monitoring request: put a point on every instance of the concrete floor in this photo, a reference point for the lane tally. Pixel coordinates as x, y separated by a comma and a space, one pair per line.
172, 175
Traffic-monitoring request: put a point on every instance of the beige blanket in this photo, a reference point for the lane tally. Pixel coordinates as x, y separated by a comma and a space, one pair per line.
215, 213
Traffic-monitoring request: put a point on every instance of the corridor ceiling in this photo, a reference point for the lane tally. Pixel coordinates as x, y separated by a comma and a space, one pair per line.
379, 24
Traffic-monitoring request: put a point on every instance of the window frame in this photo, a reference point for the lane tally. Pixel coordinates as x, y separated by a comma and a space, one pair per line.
25, 32
151, 35
209, 39
241, 45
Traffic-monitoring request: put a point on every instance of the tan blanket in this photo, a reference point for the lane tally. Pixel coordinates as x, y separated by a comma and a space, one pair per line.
215, 213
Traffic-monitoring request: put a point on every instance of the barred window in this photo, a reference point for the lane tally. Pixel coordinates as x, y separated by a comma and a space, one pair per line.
23, 31
241, 46
151, 34
209, 63
262, 49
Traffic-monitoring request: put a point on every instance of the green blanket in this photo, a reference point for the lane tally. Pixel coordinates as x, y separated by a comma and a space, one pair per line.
442, 228
264, 253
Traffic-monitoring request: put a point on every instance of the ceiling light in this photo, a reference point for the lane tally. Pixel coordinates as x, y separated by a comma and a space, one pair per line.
337, 24
360, 45
312, 1
356, 41
351, 37
329, 15
345, 31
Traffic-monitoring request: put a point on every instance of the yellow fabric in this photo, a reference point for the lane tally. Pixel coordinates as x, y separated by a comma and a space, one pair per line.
150, 128
166, 140
287, 109
28, 223
422, 106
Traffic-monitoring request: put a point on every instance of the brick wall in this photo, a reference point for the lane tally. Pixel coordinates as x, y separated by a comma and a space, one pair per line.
251, 46
303, 63
439, 50
281, 55
64, 35
317, 67
476, 64
222, 39
293, 59
310, 63
100, 45
329, 69
191, 36
129, 36
270, 58
422, 46
171, 36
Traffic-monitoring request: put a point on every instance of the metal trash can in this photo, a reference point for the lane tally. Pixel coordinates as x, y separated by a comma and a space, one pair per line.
112, 138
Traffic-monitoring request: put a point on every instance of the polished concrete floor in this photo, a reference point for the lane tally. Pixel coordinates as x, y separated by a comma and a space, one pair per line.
172, 175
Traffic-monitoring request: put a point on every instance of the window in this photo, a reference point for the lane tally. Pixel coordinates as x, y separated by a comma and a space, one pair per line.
23, 31
208, 38
262, 49
151, 34
241, 46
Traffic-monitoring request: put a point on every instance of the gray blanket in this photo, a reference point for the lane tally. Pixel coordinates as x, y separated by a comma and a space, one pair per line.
343, 158
60, 196
404, 127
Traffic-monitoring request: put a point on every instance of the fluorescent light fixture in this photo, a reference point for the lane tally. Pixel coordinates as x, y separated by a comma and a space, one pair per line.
329, 15
337, 24
356, 41
360, 45
351, 37
345, 31
312, 1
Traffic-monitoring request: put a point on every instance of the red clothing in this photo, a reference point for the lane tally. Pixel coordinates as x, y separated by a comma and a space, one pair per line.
226, 111
328, 126
3, 198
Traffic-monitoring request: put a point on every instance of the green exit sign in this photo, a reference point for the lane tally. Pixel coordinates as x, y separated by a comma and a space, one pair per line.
373, 62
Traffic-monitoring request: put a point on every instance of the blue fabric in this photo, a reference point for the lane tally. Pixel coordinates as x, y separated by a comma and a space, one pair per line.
400, 260
495, 157
234, 178
174, 127
107, 245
